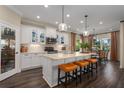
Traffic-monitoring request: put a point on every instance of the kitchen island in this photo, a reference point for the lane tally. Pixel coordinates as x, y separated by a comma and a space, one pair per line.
51, 62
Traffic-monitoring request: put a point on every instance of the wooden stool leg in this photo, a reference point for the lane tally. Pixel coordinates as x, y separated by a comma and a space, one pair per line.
58, 75
80, 74
84, 70
76, 76
85, 73
69, 77
92, 69
66, 75
73, 73
88, 70
96, 67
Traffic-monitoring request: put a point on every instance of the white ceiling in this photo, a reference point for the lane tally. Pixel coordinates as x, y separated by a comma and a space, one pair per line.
110, 15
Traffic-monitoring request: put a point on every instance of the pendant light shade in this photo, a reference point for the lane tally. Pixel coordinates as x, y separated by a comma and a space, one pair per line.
86, 32
94, 34
62, 26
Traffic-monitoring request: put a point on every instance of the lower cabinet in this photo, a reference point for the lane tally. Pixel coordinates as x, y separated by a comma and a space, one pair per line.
29, 61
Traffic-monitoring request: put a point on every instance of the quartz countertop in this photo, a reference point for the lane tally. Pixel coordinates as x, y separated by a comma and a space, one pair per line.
33, 53
59, 56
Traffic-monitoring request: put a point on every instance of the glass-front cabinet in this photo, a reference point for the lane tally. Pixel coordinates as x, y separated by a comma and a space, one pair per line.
7, 51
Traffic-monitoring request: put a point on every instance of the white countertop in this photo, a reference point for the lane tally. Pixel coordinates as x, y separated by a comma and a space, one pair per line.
33, 53
59, 56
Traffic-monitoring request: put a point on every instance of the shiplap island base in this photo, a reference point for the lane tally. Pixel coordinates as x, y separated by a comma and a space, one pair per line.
51, 62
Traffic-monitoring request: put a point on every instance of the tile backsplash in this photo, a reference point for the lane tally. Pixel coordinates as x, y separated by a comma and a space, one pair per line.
36, 48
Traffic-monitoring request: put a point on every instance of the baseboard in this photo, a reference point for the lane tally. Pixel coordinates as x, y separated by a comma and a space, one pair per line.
29, 68
51, 86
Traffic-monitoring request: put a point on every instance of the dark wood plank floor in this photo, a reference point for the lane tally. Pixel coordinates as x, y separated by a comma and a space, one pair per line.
109, 76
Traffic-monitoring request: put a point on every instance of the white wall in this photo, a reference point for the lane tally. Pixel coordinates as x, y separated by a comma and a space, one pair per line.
9, 16
12, 19
122, 44
118, 45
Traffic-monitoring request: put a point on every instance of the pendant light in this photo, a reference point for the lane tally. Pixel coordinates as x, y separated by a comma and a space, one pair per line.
94, 34
86, 32
62, 26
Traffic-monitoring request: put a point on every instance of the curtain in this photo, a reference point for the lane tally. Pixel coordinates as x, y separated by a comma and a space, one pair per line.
114, 46
90, 39
82, 38
73, 41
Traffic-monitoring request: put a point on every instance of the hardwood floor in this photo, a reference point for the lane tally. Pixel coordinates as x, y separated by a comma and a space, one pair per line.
27, 79
109, 76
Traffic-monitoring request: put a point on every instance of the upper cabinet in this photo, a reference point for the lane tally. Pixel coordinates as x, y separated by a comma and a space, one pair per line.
51, 32
30, 34
66, 38
25, 34
62, 38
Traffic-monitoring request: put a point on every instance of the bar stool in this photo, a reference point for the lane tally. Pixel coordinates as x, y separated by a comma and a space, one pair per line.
83, 65
93, 61
67, 69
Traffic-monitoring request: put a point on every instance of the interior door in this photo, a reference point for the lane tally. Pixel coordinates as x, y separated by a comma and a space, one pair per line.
7, 51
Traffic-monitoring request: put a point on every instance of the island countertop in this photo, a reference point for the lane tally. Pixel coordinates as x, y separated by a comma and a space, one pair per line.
59, 56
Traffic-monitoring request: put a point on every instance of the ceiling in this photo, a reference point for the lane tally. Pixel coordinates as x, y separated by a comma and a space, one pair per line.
110, 15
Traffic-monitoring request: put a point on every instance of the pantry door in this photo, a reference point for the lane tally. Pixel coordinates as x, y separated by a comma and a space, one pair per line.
8, 51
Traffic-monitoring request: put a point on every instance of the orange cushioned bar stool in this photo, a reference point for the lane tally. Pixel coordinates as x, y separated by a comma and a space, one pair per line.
67, 69
93, 61
84, 67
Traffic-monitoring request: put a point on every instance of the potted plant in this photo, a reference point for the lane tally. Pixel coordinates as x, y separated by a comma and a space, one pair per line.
78, 45
84, 46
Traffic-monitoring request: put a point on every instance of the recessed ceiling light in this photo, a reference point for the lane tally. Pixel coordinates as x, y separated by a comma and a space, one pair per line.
68, 15
69, 26
100, 22
57, 22
45, 6
38, 17
81, 21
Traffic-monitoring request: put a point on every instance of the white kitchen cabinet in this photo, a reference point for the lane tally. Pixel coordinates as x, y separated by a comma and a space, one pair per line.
26, 61
51, 32
41, 60
26, 33
29, 61
36, 60
66, 39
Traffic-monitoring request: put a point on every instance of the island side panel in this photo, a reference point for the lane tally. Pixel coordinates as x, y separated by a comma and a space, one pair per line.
55, 64
47, 71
